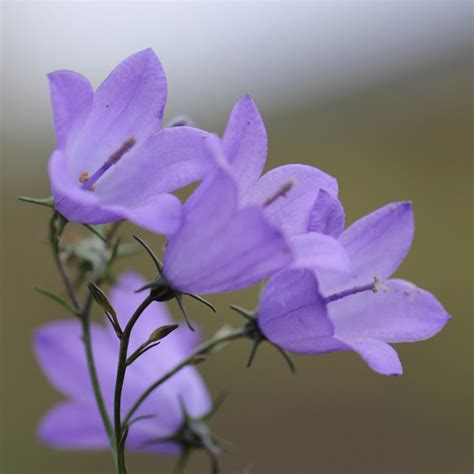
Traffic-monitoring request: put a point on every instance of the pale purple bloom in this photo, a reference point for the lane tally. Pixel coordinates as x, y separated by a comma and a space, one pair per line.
364, 313
111, 160
225, 243
239, 227
75, 423
245, 146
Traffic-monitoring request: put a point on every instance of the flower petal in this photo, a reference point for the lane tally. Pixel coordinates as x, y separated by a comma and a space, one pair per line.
404, 313
379, 356
72, 425
245, 142
70, 200
376, 245
71, 101
245, 250
327, 215
319, 252
380, 241
165, 162
160, 213
290, 212
292, 314
60, 353
128, 103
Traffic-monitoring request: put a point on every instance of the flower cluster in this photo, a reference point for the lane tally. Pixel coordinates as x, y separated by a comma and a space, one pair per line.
328, 289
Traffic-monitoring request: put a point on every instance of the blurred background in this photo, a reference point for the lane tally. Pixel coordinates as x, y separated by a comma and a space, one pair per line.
377, 94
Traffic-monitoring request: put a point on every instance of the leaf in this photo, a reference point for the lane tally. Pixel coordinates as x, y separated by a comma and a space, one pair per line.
58, 299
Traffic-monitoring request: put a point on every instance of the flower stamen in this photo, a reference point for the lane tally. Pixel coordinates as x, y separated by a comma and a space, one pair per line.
113, 159
375, 287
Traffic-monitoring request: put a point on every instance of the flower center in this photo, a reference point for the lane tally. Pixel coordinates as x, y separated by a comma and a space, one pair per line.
280, 192
375, 287
89, 181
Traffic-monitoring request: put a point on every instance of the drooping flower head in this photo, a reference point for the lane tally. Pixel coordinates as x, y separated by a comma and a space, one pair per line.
307, 313
111, 160
227, 244
76, 423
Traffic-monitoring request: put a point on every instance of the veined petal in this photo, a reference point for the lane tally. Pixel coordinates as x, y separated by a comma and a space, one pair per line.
404, 313
70, 200
71, 100
245, 249
71, 425
375, 244
327, 215
290, 212
160, 213
245, 142
319, 252
380, 241
165, 162
378, 355
128, 103
292, 314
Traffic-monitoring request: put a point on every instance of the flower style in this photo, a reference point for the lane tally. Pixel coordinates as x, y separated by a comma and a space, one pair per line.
111, 160
76, 423
225, 244
364, 313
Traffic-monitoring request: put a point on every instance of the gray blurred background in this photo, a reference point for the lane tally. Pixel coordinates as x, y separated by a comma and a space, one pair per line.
379, 95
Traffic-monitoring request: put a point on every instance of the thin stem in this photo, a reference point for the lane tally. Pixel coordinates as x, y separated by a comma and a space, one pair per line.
200, 350
120, 378
86, 336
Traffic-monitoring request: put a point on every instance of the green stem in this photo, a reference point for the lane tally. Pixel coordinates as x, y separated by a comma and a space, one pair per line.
119, 381
86, 336
202, 349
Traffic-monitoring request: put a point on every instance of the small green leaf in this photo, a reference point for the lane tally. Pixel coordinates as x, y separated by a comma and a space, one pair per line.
58, 299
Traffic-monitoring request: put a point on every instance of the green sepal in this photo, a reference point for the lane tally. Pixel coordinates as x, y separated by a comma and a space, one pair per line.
45, 202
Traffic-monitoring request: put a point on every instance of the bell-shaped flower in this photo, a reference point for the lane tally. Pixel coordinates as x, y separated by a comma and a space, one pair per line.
111, 161
365, 312
76, 424
245, 146
227, 244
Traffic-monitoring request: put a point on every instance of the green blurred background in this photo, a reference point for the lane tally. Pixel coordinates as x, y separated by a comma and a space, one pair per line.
378, 95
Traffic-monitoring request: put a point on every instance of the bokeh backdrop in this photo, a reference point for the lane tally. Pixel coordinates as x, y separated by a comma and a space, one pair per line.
379, 95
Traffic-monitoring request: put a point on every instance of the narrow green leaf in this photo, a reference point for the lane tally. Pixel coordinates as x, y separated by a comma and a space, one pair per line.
58, 299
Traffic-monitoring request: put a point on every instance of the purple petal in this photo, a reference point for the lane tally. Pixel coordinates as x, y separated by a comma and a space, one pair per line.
60, 353
160, 213
291, 211
319, 252
245, 249
128, 103
404, 313
327, 215
379, 356
292, 314
71, 100
70, 200
168, 160
245, 142
72, 425
376, 245
380, 241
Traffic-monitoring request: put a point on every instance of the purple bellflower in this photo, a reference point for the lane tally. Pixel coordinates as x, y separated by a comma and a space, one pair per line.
225, 244
111, 161
308, 314
75, 423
